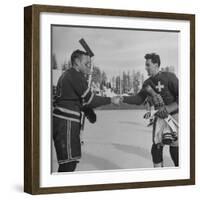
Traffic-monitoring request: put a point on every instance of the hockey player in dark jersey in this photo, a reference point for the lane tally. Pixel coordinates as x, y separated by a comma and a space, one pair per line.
165, 86
73, 97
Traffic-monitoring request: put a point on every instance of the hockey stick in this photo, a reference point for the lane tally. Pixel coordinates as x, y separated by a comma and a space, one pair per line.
91, 54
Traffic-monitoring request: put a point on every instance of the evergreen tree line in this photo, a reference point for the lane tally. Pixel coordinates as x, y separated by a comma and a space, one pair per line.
129, 82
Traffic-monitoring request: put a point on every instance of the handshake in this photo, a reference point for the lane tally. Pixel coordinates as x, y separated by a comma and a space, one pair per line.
117, 100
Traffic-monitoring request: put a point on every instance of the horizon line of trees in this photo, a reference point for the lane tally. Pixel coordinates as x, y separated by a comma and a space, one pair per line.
129, 82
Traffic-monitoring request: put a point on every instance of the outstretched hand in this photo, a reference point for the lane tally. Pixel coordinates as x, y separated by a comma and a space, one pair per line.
117, 100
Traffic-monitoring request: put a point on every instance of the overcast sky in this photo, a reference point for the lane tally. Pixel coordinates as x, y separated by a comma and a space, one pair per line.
116, 49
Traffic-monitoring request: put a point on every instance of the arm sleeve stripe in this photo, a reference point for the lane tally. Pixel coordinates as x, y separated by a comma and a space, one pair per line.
87, 97
85, 93
89, 101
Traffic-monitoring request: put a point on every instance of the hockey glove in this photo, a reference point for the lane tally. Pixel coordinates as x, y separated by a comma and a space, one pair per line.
162, 113
90, 114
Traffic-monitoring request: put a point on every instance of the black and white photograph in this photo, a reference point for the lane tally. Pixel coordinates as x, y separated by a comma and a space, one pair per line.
109, 99
114, 99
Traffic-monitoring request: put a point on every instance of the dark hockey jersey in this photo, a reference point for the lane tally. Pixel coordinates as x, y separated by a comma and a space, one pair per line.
163, 83
73, 93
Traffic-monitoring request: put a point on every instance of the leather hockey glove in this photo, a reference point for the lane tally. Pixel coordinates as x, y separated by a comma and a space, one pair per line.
90, 114
162, 113
157, 102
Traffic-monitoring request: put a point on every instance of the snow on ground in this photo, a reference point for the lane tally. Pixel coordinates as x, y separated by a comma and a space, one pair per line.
120, 139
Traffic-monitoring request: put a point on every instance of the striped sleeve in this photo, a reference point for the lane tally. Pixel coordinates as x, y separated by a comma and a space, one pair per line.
91, 100
85, 94
87, 97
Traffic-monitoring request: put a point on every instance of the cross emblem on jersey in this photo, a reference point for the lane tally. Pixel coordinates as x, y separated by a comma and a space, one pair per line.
159, 87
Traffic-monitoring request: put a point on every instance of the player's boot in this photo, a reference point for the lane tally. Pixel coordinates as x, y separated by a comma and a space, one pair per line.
158, 164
